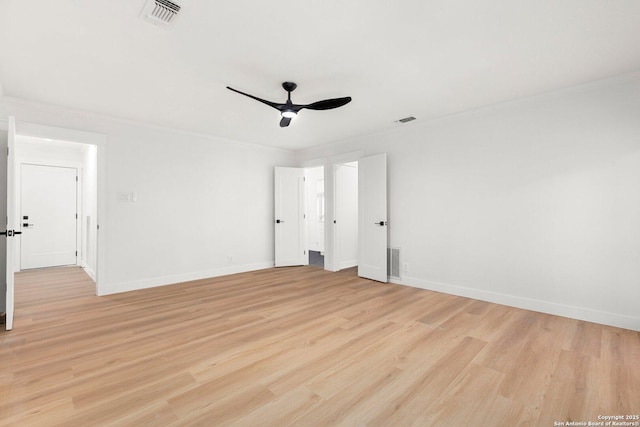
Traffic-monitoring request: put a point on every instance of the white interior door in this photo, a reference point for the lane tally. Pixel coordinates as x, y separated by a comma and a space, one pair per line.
290, 230
11, 222
48, 216
372, 217
346, 215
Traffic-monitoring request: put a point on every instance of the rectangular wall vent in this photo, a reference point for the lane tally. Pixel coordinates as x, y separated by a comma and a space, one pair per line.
393, 263
160, 12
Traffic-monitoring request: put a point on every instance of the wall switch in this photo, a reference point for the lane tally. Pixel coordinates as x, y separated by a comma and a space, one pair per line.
405, 267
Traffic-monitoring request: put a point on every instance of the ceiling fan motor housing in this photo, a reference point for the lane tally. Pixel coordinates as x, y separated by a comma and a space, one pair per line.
289, 86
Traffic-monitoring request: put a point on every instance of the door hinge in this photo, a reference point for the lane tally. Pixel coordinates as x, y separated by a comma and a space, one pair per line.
76, 178
76, 253
76, 216
305, 252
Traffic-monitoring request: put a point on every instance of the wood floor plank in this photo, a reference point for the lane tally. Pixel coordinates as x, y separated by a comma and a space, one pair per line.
281, 410
300, 346
472, 394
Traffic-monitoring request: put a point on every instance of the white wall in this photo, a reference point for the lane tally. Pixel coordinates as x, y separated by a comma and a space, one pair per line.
346, 213
41, 151
534, 203
314, 179
199, 200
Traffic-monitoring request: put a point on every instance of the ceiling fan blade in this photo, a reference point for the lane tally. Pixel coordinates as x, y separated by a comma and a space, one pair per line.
264, 101
328, 104
285, 122
289, 109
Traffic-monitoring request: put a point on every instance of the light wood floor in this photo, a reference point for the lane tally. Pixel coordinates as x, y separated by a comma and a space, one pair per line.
301, 346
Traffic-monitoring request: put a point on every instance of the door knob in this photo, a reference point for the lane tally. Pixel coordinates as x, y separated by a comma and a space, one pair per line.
279, 221
381, 223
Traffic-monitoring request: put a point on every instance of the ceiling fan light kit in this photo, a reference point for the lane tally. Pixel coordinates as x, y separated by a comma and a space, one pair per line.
289, 110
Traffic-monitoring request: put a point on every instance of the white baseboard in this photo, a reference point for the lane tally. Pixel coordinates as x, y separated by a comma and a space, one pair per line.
114, 288
347, 264
90, 272
573, 312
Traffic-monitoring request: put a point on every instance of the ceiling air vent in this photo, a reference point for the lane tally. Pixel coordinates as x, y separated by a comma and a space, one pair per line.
406, 119
160, 12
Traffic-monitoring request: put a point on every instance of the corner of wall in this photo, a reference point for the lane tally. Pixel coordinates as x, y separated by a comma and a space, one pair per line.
134, 285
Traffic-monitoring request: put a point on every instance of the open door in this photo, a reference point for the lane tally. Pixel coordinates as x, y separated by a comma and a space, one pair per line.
290, 231
372, 217
11, 221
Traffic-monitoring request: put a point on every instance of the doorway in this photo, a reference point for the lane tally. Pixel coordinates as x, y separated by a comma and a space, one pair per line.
91, 178
315, 211
357, 209
56, 199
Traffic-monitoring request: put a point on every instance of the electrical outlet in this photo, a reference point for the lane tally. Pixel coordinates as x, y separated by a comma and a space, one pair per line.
405, 267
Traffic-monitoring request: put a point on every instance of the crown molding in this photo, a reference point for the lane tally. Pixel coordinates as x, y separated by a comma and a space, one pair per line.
119, 121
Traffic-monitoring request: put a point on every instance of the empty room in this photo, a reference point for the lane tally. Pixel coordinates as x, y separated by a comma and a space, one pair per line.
320, 213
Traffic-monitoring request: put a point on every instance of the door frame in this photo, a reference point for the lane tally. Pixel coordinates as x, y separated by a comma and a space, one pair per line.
82, 137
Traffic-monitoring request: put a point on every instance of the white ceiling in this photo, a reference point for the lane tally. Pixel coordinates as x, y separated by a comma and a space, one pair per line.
413, 57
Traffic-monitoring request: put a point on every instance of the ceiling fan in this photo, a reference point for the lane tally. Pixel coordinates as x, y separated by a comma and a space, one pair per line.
289, 110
